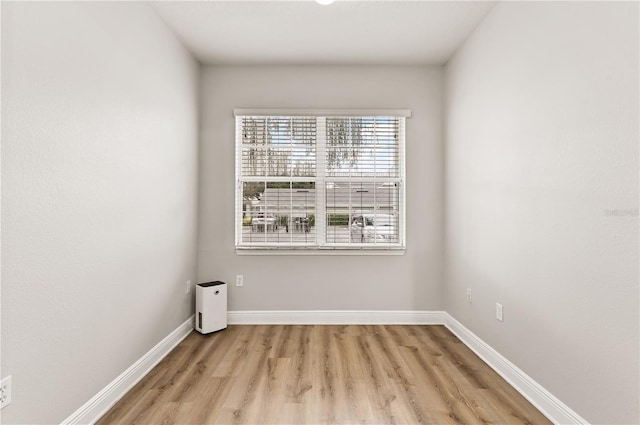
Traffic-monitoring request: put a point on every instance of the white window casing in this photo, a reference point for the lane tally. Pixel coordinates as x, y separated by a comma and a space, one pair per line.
320, 181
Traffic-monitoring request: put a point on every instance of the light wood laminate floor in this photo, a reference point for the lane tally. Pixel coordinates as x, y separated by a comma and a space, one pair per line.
323, 375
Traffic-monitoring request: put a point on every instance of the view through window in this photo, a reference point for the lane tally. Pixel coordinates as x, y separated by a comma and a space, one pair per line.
320, 181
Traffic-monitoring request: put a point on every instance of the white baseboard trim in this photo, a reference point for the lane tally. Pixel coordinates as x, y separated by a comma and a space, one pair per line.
550, 406
92, 410
336, 317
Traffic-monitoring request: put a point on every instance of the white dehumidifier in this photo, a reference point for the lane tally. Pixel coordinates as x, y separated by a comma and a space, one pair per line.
211, 307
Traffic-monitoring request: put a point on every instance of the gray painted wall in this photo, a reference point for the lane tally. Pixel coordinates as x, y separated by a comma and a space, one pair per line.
541, 149
409, 282
99, 192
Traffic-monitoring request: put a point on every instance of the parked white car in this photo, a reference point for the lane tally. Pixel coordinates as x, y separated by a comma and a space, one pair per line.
374, 228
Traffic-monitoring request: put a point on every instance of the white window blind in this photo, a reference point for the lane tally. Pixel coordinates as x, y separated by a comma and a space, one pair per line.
319, 181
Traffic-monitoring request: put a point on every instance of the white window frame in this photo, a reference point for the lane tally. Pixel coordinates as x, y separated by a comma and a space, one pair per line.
320, 179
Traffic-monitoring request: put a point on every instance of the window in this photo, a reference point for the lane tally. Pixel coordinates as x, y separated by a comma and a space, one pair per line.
320, 180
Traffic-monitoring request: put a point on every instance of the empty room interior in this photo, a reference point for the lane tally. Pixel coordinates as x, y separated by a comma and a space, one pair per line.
420, 212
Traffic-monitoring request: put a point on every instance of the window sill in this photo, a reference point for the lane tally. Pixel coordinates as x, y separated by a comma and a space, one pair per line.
338, 251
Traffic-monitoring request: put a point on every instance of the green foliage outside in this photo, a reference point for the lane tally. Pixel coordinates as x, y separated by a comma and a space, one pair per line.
254, 190
292, 185
338, 219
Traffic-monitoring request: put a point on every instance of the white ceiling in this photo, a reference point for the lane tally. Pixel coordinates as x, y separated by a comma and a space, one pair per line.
306, 33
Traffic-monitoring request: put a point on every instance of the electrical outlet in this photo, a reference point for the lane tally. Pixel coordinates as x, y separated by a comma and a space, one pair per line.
469, 295
499, 312
188, 290
5, 392
239, 280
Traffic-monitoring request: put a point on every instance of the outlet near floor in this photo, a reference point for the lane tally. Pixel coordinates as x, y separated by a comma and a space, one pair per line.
499, 311
5, 392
